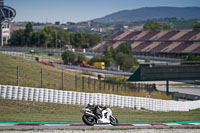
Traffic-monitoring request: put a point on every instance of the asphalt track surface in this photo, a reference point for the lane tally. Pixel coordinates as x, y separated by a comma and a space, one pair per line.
49, 125
186, 90
97, 70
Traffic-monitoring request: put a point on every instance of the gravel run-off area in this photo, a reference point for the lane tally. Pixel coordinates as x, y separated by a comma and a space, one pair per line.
111, 131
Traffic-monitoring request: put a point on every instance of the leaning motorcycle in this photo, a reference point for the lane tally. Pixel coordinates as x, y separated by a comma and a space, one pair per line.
90, 118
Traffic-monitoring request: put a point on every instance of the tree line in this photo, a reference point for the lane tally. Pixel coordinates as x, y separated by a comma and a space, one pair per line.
151, 25
122, 56
52, 37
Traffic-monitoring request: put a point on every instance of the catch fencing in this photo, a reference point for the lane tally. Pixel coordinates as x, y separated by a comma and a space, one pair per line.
81, 98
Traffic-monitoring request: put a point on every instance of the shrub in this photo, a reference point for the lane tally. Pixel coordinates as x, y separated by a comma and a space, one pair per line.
50, 54
115, 79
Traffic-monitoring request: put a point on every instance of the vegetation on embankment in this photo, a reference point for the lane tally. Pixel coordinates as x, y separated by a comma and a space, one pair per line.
30, 76
30, 73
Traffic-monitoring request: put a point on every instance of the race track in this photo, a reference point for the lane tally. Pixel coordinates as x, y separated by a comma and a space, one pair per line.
49, 125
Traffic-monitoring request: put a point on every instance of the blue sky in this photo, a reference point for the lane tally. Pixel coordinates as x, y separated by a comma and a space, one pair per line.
82, 10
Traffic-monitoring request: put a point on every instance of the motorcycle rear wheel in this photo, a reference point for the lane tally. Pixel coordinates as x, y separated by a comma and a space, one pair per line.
89, 120
113, 121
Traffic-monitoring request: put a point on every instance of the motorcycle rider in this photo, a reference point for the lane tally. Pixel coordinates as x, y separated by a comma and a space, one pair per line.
98, 110
96, 114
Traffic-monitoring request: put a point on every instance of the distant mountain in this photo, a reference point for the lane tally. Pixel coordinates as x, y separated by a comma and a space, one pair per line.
146, 13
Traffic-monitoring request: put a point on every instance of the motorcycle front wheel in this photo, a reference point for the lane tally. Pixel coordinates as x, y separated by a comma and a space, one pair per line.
89, 120
113, 121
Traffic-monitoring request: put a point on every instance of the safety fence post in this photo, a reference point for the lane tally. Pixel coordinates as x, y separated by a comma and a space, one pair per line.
41, 77
62, 80
17, 75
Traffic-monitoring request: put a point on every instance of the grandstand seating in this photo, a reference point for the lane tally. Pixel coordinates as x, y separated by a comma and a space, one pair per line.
142, 45
115, 45
98, 45
168, 35
176, 41
122, 35
115, 35
160, 34
170, 47
149, 35
131, 35
137, 37
181, 47
196, 50
107, 44
191, 47
161, 46
110, 43
189, 35
151, 46
135, 44
197, 37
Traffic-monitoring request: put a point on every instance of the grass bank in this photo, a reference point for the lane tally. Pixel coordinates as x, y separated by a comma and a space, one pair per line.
26, 111
30, 76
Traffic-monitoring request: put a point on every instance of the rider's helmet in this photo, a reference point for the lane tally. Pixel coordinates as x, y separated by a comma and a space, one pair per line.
89, 105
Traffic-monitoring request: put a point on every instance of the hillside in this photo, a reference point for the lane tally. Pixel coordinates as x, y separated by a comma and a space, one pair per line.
147, 13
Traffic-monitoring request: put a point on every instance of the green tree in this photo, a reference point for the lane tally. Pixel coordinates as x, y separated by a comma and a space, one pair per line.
109, 55
106, 36
77, 40
37, 39
53, 34
92, 39
126, 62
167, 27
96, 58
48, 36
147, 60
80, 58
150, 25
27, 33
196, 27
17, 38
110, 52
125, 48
192, 57
68, 57
63, 37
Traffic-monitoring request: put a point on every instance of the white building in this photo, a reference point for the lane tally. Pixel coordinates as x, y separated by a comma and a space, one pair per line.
6, 32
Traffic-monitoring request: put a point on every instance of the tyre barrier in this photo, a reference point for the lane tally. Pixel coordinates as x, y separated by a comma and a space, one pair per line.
81, 98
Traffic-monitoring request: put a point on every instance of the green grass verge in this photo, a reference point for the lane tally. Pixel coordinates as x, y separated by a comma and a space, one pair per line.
26, 111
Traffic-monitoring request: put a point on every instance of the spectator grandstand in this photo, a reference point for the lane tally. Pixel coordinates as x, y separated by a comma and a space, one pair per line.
131, 35
168, 35
189, 35
160, 47
142, 46
149, 35
153, 42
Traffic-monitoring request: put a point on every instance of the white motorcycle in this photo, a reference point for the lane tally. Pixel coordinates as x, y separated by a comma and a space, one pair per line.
91, 118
